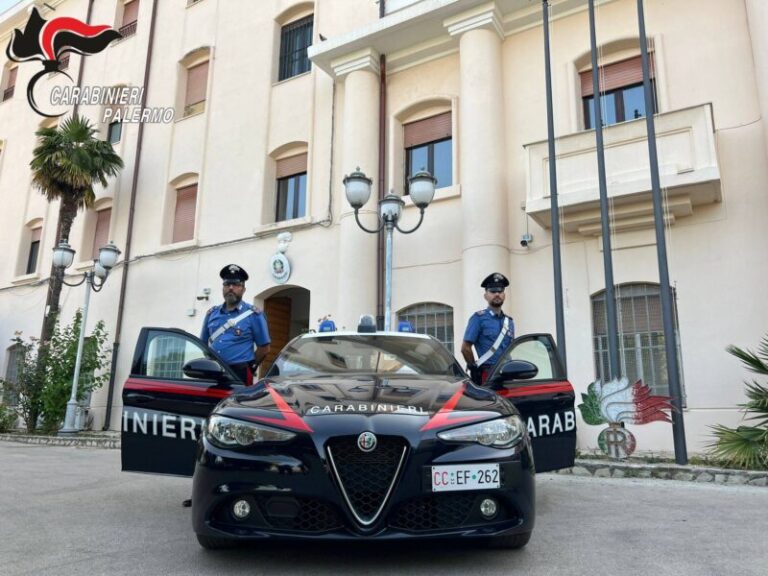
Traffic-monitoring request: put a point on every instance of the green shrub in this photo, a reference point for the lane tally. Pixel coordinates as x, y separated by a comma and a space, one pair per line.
747, 446
8, 417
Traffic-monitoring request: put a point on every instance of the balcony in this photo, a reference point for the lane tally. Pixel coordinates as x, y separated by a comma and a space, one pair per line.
688, 168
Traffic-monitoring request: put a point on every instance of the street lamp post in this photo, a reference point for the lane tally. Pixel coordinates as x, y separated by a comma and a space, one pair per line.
421, 187
63, 256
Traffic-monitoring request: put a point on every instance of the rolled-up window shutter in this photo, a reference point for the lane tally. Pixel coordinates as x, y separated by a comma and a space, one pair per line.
101, 233
616, 75
197, 81
184, 217
291, 165
36, 233
427, 130
130, 12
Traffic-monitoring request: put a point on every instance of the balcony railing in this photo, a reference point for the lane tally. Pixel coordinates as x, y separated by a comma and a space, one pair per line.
129, 29
8, 93
688, 168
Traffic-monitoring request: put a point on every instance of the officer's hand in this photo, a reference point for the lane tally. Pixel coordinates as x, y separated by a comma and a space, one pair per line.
475, 373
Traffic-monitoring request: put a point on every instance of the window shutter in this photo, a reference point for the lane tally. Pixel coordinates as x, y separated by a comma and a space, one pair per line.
12, 77
184, 217
427, 130
197, 80
292, 165
612, 76
130, 12
36, 233
101, 233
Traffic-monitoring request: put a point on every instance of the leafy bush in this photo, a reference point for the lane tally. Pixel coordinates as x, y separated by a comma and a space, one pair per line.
8, 418
60, 370
44, 373
747, 446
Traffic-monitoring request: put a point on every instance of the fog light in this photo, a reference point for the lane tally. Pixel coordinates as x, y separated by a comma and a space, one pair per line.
241, 509
488, 508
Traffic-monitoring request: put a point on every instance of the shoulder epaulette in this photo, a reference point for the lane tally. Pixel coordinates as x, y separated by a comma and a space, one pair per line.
480, 312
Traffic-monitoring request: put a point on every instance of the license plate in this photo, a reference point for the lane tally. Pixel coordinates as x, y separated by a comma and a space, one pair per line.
465, 477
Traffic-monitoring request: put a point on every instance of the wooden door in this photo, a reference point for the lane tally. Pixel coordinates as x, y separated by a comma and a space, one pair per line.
278, 311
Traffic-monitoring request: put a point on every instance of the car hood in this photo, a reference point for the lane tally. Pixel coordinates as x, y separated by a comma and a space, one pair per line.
309, 397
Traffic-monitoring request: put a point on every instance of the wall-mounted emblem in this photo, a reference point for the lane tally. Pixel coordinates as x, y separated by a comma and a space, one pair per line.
617, 403
279, 265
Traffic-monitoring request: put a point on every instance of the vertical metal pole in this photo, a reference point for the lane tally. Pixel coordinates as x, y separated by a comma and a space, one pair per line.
555, 214
673, 371
69, 419
389, 227
610, 299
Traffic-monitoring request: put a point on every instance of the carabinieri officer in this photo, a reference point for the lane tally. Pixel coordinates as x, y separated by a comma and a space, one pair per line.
233, 328
490, 330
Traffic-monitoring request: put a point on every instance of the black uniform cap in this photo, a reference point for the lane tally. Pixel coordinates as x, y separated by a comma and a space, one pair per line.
233, 272
495, 280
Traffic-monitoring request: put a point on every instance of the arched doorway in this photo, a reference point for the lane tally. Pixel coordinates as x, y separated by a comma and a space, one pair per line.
287, 312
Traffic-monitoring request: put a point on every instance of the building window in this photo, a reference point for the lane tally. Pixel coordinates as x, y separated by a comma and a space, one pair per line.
623, 96
184, 213
429, 146
291, 188
34, 250
10, 84
295, 38
114, 132
433, 319
641, 336
130, 18
101, 231
197, 84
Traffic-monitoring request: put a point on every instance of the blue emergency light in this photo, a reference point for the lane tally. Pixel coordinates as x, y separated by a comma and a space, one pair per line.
405, 326
327, 326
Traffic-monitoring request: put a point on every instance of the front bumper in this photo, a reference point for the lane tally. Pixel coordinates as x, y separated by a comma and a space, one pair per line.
294, 495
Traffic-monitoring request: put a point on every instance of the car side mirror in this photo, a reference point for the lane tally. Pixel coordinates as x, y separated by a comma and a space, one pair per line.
204, 369
515, 370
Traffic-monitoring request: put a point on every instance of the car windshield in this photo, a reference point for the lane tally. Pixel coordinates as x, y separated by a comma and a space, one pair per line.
367, 354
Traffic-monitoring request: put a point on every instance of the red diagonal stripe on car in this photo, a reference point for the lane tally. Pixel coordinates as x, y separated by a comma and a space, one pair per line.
553, 388
443, 416
173, 388
290, 419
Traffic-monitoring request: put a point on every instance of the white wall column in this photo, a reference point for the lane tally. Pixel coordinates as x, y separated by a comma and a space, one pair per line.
481, 151
359, 148
757, 17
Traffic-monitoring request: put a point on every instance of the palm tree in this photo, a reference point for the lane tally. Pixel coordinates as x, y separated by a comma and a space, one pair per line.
66, 164
747, 446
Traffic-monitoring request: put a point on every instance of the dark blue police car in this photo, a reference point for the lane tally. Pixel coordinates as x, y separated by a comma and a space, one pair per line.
350, 436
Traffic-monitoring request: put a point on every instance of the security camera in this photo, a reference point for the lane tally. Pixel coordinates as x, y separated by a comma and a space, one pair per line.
526, 239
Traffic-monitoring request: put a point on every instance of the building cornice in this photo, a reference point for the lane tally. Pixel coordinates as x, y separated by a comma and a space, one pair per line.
366, 59
430, 29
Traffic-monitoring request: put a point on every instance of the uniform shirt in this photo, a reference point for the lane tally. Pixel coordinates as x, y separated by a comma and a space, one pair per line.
483, 329
235, 345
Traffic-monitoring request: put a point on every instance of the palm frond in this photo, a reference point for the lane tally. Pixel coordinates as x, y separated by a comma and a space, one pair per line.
751, 360
743, 447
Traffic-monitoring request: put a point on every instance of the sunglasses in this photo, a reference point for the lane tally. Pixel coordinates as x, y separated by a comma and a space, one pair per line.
232, 283
495, 290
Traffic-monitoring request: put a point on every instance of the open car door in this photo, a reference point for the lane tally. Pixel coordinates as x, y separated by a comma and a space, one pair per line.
163, 408
545, 401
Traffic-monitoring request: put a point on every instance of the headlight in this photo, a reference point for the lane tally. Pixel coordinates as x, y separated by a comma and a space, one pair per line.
227, 432
501, 433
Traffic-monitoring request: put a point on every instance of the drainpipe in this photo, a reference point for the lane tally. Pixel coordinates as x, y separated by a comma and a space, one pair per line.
380, 258
129, 234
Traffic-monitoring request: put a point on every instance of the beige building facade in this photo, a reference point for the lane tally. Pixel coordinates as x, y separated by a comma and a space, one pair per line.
264, 134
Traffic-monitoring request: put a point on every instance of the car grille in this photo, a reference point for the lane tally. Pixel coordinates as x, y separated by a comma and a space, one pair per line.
441, 511
366, 478
310, 515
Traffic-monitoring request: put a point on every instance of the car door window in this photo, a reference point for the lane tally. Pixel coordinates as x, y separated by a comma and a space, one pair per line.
167, 352
540, 351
